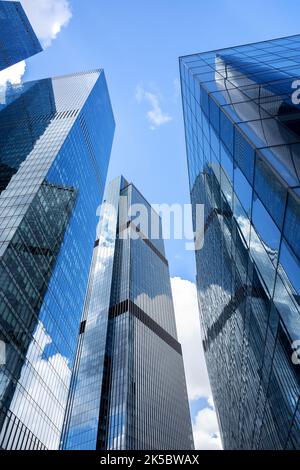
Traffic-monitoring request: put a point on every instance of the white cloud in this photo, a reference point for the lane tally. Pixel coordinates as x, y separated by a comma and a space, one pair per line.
47, 17
155, 115
188, 327
206, 429
205, 425
13, 74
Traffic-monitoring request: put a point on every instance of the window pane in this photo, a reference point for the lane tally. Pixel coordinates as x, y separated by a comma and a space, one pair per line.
292, 223
262, 261
226, 130
244, 156
266, 229
289, 269
242, 189
227, 162
270, 191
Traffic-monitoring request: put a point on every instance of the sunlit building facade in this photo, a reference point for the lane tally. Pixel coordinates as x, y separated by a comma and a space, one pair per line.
17, 38
242, 125
55, 142
128, 389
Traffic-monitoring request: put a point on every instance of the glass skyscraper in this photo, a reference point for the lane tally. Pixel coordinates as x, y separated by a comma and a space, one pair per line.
128, 389
55, 142
242, 125
17, 38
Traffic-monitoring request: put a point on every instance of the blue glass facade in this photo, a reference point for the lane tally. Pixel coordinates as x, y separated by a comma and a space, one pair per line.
55, 142
128, 388
17, 38
243, 147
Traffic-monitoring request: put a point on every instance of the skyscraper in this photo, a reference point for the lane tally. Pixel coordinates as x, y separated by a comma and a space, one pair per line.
55, 141
128, 389
242, 125
17, 38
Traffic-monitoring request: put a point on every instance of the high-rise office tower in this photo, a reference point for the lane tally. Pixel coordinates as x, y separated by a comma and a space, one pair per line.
17, 38
242, 124
55, 141
128, 390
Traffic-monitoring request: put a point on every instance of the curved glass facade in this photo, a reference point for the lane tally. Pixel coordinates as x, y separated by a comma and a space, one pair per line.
242, 139
56, 136
128, 388
17, 38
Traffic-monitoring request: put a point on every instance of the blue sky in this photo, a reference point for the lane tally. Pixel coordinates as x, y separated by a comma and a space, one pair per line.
138, 44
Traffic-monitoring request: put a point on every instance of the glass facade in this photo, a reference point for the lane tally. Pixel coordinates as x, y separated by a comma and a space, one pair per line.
128, 389
55, 142
243, 146
17, 38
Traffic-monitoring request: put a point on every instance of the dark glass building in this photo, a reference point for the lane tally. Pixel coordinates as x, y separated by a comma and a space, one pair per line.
55, 141
17, 38
242, 125
128, 389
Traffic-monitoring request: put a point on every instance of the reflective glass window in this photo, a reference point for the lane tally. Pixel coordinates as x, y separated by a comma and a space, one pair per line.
244, 155
266, 228
204, 101
214, 114
292, 223
226, 162
243, 189
226, 132
270, 191
262, 261
291, 267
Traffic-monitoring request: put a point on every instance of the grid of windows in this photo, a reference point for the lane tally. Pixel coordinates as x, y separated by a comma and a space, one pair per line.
61, 129
128, 389
242, 139
17, 38
81, 421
